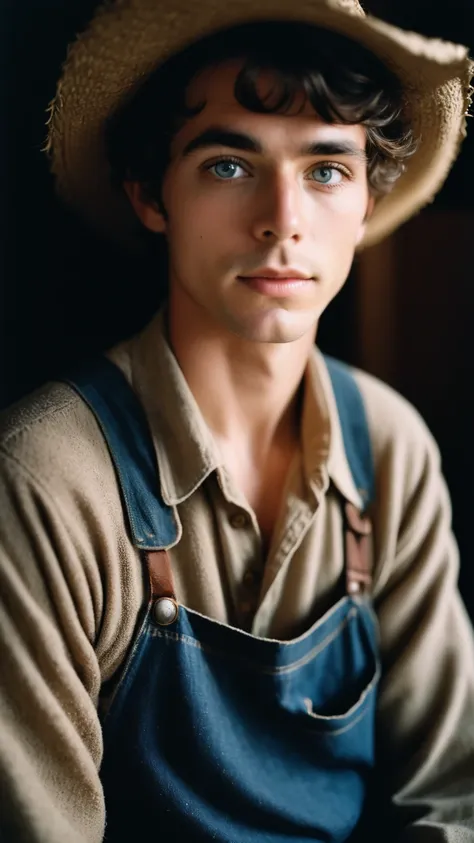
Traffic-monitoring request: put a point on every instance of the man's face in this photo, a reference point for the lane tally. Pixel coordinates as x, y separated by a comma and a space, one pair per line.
236, 206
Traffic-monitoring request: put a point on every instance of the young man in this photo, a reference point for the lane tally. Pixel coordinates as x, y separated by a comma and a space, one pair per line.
196, 530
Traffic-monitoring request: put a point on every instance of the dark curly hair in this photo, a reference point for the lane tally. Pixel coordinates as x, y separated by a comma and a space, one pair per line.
344, 82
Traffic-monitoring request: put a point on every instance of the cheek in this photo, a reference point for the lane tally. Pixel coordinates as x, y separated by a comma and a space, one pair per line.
203, 232
345, 221
196, 213
339, 240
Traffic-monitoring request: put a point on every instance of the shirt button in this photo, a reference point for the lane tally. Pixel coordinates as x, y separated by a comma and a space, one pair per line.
165, 611
246, 607
239, 520
249, 578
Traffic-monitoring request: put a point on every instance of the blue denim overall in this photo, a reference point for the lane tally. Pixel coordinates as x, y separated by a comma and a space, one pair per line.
213, 734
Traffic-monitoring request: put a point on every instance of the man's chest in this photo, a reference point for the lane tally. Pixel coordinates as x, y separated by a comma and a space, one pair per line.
263, 488
221, 568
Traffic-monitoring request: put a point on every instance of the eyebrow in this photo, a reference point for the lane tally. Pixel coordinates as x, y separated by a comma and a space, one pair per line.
219, 136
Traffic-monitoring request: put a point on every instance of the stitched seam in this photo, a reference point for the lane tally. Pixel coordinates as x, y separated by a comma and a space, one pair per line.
128, 665
329, 733
281, 558
50, 412
285, 669
320, 647
321, 718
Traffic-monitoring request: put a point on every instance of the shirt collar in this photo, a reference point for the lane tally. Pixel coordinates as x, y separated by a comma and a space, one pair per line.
185, 449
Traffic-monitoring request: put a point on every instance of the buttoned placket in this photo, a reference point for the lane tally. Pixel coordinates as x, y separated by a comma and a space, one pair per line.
293, 532
247, 579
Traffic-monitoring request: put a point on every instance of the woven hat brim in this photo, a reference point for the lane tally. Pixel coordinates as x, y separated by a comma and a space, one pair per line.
128, 39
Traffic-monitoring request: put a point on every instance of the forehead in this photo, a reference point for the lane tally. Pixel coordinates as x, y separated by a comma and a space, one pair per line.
215, 86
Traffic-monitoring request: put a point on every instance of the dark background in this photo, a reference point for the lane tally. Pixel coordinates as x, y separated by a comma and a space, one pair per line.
405, 314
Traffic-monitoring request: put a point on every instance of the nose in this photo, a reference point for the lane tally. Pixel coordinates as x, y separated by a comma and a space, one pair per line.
279, 212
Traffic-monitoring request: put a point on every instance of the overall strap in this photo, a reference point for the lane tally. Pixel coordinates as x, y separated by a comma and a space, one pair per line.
358, 448
355, 428
123, 423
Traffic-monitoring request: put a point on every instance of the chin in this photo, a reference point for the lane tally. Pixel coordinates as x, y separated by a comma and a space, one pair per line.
272, 328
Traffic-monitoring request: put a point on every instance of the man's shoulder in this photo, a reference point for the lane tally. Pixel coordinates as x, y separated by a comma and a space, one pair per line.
29, 416
397, 429
50, 434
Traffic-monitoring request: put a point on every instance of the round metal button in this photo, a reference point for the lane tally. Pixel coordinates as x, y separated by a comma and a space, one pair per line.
249, 578
239, 519
165, 611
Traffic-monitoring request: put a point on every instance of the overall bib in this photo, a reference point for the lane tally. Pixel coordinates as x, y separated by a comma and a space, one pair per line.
213, 734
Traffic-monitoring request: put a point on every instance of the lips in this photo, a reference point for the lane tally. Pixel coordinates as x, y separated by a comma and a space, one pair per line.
277, 285
288, 273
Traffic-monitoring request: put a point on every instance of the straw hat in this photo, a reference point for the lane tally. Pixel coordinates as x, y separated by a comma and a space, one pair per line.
128, 39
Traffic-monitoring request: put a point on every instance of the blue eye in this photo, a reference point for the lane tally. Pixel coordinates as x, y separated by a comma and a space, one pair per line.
327, 175
227, 169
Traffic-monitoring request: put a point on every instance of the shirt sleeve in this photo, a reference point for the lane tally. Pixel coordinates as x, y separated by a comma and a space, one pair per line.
50, 736
426, 701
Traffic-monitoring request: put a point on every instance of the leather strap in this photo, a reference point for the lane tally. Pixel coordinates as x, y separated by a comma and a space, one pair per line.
160, 574
359, 551
359, 559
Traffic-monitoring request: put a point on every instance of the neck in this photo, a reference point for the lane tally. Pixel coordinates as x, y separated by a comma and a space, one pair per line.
248, 392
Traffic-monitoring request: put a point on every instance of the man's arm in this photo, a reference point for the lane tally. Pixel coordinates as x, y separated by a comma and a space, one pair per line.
50, 736
426, 704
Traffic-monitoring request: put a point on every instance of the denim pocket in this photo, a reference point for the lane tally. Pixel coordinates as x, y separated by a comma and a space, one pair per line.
342, 720
336, 680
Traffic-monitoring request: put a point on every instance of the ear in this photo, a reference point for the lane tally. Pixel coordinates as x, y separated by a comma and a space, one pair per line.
368, 214
146, 210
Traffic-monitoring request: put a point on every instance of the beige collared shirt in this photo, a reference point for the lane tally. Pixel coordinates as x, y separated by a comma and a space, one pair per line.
71, 588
